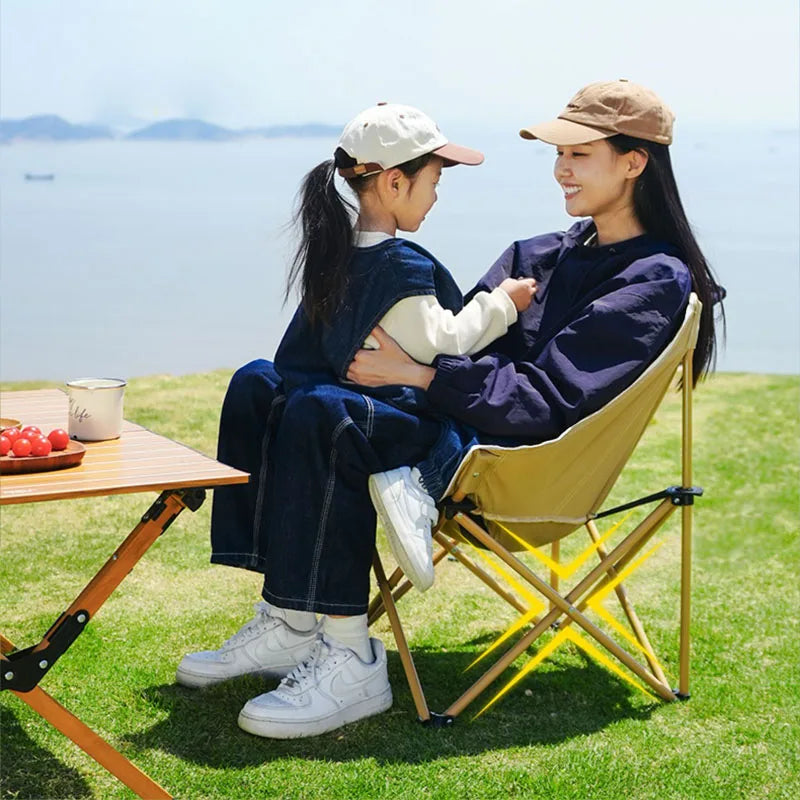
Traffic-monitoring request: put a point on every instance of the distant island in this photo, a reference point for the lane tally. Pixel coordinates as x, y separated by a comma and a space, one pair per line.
49, 127
52, 128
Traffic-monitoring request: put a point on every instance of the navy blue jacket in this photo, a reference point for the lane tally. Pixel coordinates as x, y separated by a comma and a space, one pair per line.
599, 318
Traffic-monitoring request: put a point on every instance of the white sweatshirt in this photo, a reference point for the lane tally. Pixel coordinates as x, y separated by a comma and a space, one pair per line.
424, 329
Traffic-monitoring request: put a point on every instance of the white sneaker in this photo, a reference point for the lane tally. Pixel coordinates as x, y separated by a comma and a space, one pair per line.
407, 512
265, 645
332, 687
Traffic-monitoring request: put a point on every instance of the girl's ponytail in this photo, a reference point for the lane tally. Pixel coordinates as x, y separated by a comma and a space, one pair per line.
318, 269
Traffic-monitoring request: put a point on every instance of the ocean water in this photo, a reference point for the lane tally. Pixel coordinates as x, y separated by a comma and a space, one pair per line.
142, 258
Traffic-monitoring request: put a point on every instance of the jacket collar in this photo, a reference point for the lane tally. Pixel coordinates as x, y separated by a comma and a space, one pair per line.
583, 229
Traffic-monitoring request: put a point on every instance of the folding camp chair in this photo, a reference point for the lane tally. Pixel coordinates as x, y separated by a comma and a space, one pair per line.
511, 499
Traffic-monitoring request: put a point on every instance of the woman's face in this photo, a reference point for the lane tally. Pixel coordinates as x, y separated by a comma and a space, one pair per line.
595, 178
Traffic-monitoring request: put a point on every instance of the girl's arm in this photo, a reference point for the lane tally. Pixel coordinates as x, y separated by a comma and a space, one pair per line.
424, 329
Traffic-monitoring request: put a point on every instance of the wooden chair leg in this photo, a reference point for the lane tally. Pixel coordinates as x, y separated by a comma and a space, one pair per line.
555, 555
686, 579
376, 608
566, 606
627, 607
633, 543
476, 569
400, 639
686, 524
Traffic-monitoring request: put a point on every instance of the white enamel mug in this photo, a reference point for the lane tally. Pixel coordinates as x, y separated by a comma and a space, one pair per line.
95, 408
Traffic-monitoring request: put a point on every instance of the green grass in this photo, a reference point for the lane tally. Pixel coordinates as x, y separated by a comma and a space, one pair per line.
570, 729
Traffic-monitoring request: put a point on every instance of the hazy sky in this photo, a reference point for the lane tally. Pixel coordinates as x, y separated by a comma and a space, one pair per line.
251, 62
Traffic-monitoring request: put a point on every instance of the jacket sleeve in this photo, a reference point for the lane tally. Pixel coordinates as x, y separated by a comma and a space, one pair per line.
598, 354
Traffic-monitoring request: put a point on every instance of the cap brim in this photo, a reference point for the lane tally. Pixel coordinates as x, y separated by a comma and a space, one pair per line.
456, 154
564, 132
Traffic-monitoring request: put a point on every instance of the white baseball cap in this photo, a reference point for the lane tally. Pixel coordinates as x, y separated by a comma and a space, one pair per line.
389, 134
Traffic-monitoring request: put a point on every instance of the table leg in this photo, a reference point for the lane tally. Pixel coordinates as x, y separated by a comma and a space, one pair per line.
31, 665
92, 744
157, 519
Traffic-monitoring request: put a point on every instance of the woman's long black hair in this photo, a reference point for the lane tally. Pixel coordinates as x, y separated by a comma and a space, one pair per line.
658, 208
325, 222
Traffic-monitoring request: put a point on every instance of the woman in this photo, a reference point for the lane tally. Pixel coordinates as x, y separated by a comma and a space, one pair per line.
610, 294
618, 281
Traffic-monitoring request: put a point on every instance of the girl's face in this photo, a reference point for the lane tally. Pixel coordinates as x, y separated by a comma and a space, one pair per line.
417, 195
596, 180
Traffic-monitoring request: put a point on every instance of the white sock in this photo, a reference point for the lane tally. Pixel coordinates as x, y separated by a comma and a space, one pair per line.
301, 621
352, 632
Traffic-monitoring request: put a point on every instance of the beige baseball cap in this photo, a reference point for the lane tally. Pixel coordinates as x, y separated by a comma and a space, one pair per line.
389, 134
601, 110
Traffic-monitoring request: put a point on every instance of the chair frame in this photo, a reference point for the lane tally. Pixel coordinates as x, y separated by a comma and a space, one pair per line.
564, 608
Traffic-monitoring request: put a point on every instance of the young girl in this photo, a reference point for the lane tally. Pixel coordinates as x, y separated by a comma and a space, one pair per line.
352, 278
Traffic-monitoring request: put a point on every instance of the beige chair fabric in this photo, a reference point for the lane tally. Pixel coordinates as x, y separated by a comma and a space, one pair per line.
548, 490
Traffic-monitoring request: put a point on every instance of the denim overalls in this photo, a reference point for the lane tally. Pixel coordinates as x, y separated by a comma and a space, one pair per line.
378, 278
305, 519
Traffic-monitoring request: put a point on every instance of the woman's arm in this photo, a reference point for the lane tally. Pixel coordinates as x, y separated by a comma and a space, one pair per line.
390, 365
582, 367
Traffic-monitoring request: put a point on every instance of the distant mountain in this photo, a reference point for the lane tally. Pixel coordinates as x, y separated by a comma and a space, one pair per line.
199, 130
307, 130
184, 130
49, 127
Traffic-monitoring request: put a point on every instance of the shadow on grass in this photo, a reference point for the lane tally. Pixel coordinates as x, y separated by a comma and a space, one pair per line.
572, 700
28, 771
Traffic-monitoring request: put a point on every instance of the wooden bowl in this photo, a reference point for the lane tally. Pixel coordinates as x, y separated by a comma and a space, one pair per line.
57, 459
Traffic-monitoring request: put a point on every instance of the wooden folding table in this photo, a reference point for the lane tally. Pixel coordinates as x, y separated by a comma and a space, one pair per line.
138, 461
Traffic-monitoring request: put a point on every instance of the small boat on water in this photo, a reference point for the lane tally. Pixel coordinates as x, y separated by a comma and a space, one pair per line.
39, 176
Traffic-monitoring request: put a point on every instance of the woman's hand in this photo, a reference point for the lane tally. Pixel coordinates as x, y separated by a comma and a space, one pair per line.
520, 290
389, 366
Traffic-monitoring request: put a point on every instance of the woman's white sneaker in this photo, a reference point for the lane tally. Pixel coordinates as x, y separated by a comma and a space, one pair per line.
265, 645
407, 512
332, 687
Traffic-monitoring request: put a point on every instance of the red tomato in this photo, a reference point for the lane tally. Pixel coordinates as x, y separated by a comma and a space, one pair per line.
29, 431
12, 434
40, 446
21, 447
5, 445
59, 438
